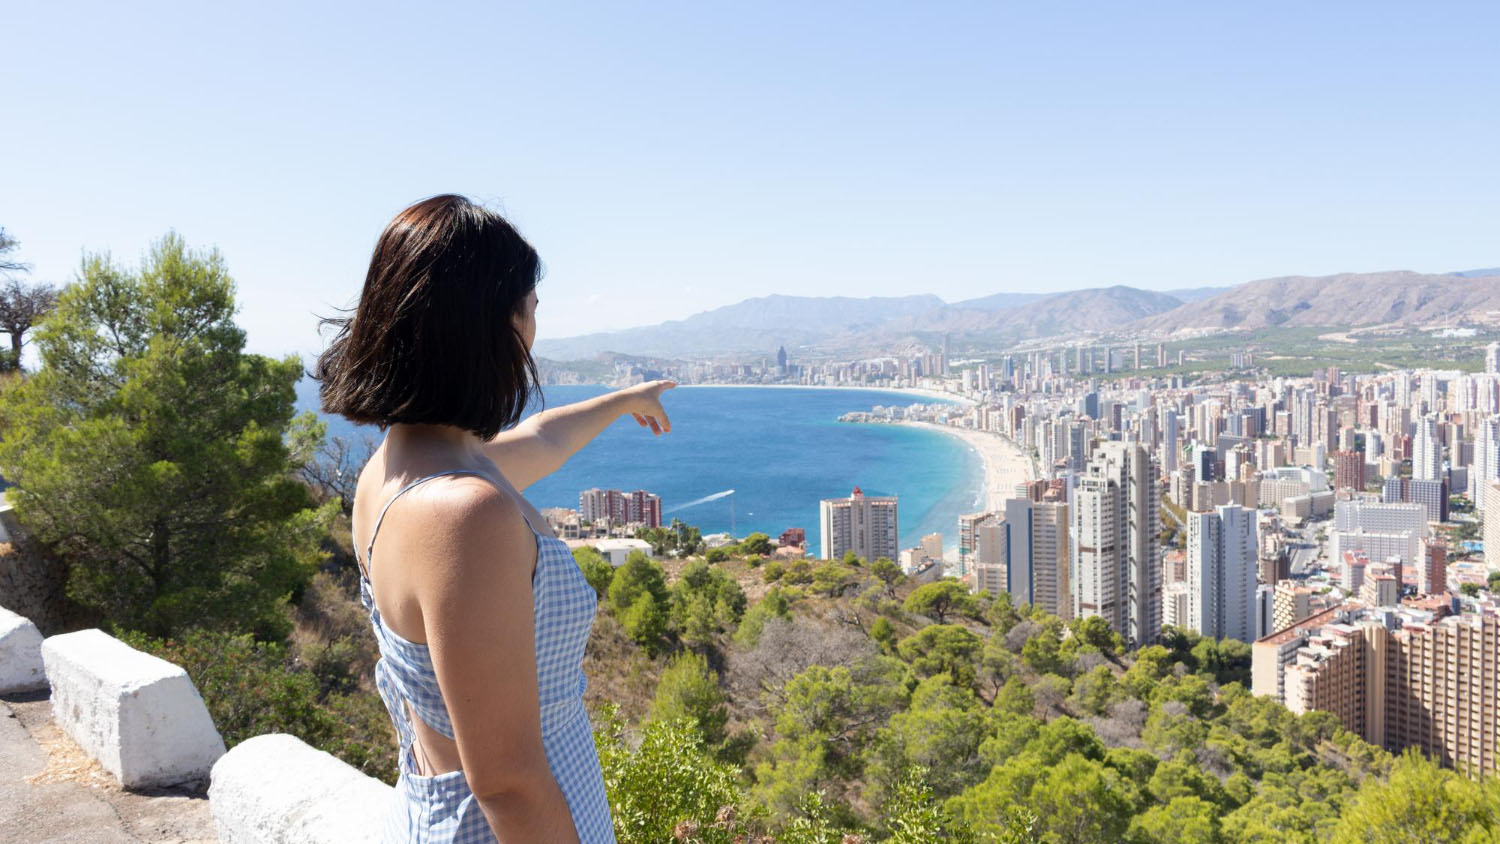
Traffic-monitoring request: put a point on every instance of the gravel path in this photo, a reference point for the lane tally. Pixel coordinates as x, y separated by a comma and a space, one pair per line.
50, 791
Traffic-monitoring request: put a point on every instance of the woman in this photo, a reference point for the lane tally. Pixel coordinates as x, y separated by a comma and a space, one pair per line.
480, 611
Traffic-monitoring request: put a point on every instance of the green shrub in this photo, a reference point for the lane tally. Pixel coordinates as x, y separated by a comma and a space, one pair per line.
690, 689
638, 597
596, 570
670, 787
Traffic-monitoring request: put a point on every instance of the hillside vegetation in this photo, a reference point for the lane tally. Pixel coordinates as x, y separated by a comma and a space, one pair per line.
846, 702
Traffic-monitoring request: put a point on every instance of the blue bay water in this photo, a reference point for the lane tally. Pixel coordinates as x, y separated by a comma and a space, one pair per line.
780, 450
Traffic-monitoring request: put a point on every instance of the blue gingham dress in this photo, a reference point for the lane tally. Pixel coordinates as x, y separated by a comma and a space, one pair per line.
442, 808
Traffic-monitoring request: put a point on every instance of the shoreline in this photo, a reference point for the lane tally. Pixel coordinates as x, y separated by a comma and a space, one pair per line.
916, 392
1005, 465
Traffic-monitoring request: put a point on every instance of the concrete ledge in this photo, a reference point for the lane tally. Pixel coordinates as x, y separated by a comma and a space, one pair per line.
140, 716
20, 654
274, 789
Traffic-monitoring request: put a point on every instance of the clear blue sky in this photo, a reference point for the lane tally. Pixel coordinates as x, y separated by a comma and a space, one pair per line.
668, 158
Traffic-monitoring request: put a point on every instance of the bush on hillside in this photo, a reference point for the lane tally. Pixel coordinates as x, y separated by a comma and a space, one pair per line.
669, 787
596, 570
252, 688
705, 603
638, 598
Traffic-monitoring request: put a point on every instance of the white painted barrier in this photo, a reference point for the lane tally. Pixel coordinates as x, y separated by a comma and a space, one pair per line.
140, 716
274, 789
20, 654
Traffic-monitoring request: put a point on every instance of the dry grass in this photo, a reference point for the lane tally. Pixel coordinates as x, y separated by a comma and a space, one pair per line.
750, 578
67, 762
618, 670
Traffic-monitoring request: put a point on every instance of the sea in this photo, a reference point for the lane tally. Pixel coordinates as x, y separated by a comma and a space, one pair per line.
743, 459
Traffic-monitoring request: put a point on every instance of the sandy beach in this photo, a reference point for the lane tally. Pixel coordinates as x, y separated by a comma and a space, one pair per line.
1005, 465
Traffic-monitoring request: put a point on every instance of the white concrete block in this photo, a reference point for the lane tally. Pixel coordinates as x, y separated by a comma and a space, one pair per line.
139, 715
20, 654
275, 789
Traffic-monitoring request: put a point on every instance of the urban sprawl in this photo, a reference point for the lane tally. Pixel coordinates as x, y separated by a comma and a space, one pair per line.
1334, 522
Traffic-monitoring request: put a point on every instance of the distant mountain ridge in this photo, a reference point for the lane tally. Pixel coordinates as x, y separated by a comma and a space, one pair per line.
1098, 309
760, 324
848, 325
1398, 297
842, 325
1194, 294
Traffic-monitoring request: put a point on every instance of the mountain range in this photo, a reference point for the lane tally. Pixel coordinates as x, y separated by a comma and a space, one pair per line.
1398, 298
903, 324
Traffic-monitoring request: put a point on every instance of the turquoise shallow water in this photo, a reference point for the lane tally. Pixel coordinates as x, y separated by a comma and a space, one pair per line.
780, 450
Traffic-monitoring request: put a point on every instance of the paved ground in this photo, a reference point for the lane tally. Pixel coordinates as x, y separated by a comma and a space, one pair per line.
50, 791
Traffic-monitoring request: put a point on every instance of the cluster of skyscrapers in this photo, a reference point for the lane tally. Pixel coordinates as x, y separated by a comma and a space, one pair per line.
1243, 508
1327, 519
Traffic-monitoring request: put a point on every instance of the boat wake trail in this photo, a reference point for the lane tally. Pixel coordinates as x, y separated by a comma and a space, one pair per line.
695, 502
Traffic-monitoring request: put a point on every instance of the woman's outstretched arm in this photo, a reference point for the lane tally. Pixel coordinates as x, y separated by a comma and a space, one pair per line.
544, 441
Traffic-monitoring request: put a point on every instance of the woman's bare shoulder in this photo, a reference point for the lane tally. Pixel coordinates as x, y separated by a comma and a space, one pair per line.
462, 523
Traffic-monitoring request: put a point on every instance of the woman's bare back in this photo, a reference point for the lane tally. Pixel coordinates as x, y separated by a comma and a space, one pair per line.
394, 587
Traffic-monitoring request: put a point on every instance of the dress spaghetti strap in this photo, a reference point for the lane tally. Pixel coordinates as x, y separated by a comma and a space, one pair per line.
370, 547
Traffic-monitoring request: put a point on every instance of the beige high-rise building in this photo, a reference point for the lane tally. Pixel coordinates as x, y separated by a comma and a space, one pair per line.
1398, 678
991, 538
1492, 526
1037, 569
1292, 603
863, 524
1051, 567
988, 577
932, 546
990, 554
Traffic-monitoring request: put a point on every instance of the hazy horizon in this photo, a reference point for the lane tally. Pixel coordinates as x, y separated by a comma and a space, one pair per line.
675, 160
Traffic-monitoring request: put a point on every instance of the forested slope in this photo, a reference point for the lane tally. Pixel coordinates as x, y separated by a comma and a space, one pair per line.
845, 701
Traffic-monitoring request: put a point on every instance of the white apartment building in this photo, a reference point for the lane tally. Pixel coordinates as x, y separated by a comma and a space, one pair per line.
1427, 451
1369, 515
1486, 465
1116, 568
1174, 605
863, 524
1221, 567
1492, 526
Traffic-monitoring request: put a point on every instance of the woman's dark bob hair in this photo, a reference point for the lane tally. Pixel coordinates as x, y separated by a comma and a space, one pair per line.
432, 340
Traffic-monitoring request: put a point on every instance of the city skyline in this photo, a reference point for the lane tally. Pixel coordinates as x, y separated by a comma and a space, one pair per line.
1293, 497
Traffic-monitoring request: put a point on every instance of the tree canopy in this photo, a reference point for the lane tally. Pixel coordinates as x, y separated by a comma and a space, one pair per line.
149, 451
941, 597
